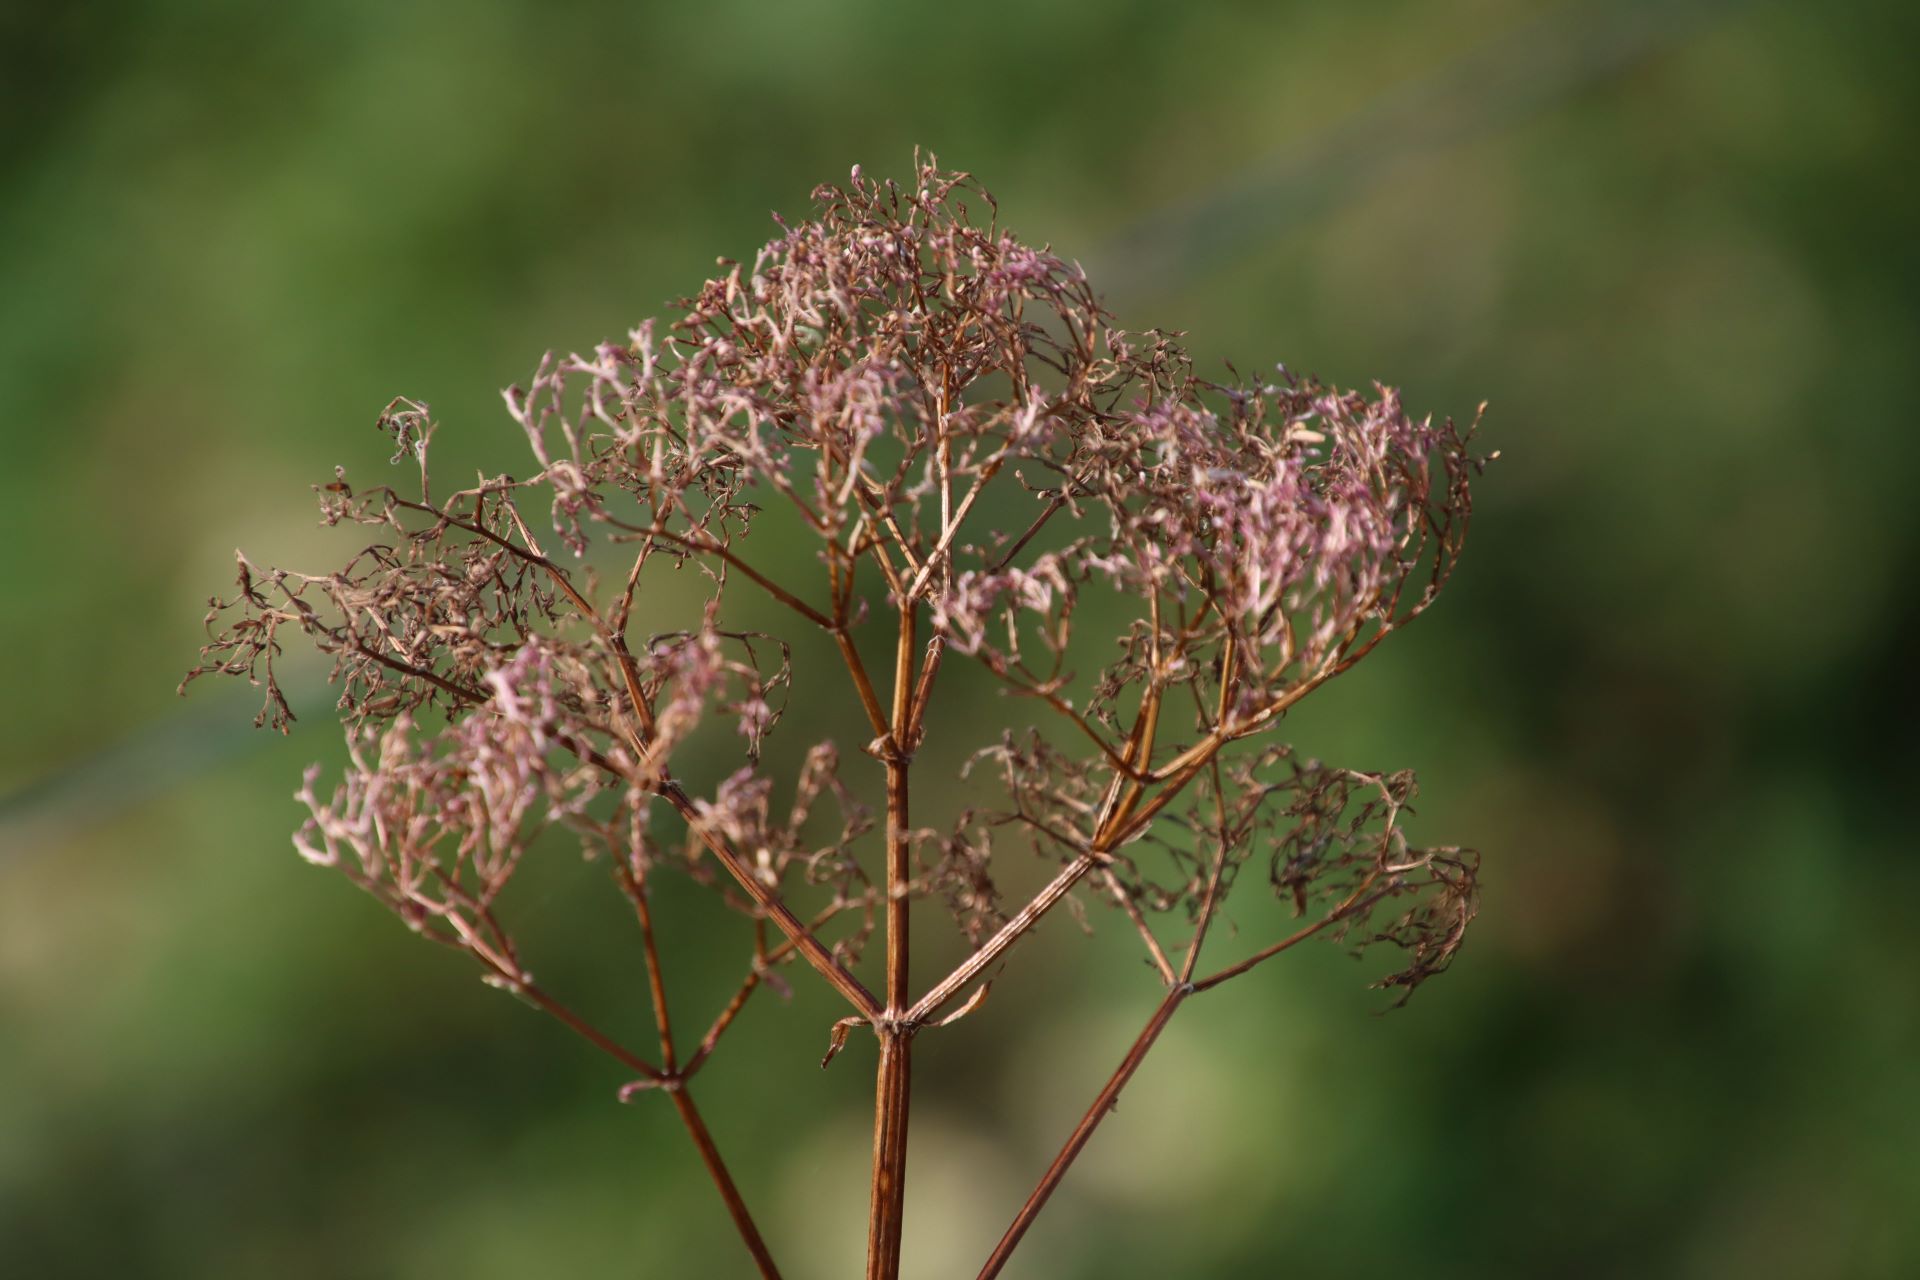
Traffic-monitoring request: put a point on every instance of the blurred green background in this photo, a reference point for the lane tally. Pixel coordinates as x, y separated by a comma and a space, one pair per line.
1669, 695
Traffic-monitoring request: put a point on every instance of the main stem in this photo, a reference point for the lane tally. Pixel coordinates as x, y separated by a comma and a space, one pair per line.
893, 1081
891, 1099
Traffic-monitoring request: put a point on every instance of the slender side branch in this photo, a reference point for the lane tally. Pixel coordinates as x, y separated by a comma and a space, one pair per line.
736, 1207
720, 1023
709, 546
1009, 933
862, 683
579, 1025
669, 1081
1155, 952
804, 941
1077, 1141
1212, 896
674, 1082
1356, 903
656, 982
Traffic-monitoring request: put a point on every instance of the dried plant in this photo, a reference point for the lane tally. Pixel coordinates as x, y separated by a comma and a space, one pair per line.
975, 455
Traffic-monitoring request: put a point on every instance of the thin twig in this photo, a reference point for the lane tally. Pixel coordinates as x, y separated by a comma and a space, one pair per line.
1077, 1140
804, 941
736, 1207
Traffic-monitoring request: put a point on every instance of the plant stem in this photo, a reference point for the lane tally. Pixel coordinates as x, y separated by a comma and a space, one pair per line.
893, 1080
1011, 932
1088, 1123
899, 832
809, 946
656, 982
892, 1088
675, 1081
710, 1155
673, 1084
1357, 901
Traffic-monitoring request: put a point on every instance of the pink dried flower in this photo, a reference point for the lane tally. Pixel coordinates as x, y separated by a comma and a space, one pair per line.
973, 449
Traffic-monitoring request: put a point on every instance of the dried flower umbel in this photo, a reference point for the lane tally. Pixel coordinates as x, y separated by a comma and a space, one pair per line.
973, 451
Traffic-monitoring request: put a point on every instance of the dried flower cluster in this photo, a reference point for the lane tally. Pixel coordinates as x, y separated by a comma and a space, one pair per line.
969, 448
